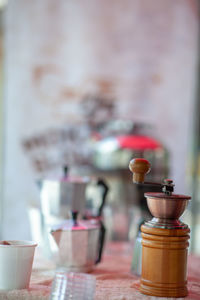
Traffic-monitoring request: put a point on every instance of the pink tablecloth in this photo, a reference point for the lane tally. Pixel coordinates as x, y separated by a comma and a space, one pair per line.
114, 280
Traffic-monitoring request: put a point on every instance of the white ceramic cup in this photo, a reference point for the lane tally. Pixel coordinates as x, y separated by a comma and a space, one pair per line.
16, 260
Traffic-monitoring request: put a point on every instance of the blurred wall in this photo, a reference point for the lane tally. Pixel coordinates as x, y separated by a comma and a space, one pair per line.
1, 115
71, 65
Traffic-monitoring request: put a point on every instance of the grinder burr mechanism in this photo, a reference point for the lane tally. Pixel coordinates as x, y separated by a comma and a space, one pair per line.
164, 238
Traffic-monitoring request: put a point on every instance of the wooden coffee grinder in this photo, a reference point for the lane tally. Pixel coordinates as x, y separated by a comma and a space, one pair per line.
164, 238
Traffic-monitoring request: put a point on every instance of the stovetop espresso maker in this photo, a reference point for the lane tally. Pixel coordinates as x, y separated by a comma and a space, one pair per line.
59, 198
164, 238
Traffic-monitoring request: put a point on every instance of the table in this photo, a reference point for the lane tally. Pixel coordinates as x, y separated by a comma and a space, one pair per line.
113, 278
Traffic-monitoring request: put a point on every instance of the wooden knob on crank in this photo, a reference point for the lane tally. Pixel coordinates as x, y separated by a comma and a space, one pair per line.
139, 167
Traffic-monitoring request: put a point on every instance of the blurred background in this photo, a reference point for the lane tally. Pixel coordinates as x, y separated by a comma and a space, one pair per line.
90, 85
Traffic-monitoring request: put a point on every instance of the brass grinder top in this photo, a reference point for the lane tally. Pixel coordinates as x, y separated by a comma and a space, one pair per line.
165, 207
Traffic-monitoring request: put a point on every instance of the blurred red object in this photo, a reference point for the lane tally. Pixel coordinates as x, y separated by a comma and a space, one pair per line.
137, 142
